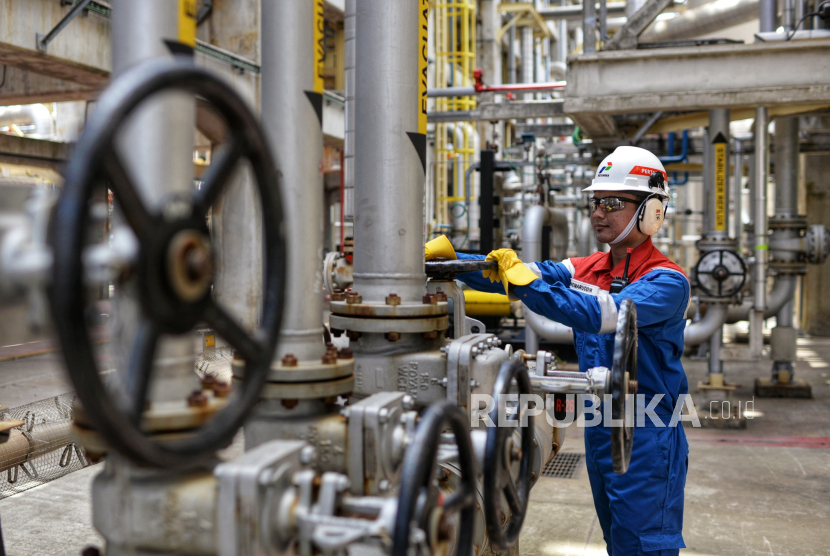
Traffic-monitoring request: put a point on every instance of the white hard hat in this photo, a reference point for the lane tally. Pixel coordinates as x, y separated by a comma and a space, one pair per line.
630, 169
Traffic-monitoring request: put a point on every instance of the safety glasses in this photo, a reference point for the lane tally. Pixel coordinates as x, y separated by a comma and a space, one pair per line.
609, 204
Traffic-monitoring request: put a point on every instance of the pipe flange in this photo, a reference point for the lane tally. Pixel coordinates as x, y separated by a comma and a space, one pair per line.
307, 390
782, 267
787, 222
387, 310
382, 326
303, 371
710, 243
818, 243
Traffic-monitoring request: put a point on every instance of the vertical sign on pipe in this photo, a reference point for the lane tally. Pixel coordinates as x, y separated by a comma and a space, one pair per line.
720, 182
187, 22
419, 138
318, 36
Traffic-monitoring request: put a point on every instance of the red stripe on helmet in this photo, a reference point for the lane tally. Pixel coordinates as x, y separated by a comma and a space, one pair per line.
645, 171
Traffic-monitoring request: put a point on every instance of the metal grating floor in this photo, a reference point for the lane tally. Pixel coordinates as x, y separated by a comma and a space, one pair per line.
566, 465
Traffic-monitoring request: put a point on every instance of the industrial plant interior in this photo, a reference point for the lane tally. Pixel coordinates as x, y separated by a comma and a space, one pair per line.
221, 333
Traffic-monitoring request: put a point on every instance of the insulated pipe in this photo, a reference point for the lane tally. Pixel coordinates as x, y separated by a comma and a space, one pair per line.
289, 85
703, 20
389, 172
31, 114
702, 330
536, 218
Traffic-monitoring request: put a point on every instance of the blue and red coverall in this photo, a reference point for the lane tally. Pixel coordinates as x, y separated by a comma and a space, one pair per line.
641, 511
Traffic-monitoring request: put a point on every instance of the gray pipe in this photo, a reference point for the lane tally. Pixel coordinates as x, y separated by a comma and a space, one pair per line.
782, 290
705, 19
291, 121
585, 240
760, 206
389, 175
350, 53
31, 114
527, 58
767, 16
551, 331
702, 330
718, 125
558, 70
574, 12
536, 218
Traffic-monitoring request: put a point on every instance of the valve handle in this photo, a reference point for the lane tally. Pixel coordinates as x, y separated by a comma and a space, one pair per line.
174, 274
623, 374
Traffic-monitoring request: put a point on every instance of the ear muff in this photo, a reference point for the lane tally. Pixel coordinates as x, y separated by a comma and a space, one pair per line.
652, 213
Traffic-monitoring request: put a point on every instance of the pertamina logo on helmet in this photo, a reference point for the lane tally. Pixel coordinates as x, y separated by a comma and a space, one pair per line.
604, 169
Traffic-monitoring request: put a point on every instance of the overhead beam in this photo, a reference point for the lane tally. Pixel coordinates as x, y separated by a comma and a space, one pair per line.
545, 130
574, 12
698, 78
26, 87
491, 111
32, 152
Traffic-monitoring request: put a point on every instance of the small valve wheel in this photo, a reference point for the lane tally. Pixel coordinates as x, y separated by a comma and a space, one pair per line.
174, 270
423, 513
501, 453
720, 273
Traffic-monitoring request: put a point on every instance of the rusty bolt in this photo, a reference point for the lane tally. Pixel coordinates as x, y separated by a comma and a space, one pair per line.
353, 336
633, 386
91, 551
430, 335
221, 389
345, 353
393, 299
329, 358
353, 297
515, 452
338, 295
208, 381
336, 332
288, 360
393, 336
443, 475
197, 399
502, 518
440, 295
289, 404
430, 299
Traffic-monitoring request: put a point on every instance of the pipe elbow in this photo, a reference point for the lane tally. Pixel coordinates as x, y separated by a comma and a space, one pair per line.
550, 330
700, 331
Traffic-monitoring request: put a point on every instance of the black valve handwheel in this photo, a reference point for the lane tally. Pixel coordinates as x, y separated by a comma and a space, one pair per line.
623, 382
420, 495
721, 272
498, 474
174, 271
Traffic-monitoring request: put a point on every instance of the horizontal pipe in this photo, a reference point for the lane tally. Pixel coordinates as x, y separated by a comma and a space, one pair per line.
700, 331
574, 13
511, 88
705, 19
550, 330
782, 291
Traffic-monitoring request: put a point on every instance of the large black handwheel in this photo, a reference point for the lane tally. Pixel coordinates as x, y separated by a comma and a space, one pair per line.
623, 382
420, 506
174, 271
499, 457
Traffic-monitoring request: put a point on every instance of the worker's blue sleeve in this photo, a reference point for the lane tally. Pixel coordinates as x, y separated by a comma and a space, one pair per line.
658, 296
549, 271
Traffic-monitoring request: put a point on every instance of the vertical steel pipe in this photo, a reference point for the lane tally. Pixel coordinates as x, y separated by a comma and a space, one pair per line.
291, 103
349, 47
589, 27
717, 174
768, 16
157, 149
760, 216
390, 152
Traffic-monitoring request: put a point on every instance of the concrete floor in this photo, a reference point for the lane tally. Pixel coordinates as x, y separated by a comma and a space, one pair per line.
762, 490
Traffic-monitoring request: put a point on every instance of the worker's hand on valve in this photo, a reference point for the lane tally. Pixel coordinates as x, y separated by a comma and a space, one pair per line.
511, 269
439, 248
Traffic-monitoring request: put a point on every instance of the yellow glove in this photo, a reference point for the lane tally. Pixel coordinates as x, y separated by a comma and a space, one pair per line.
439, 248
511, 269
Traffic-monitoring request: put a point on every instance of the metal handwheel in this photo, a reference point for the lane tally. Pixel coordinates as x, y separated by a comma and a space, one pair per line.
422, 515
174, 270
623, 381
720, 273
499, 458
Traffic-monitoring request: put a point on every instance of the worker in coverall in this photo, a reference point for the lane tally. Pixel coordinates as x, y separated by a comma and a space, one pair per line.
641, 511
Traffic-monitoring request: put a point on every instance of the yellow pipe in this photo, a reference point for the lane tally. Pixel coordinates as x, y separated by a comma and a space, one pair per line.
481, 304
